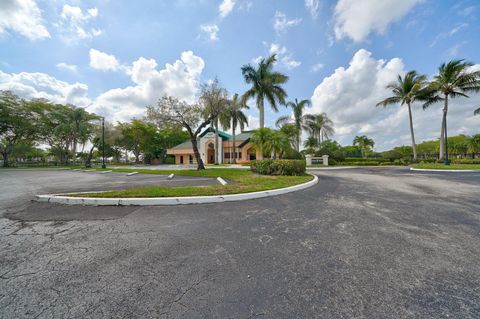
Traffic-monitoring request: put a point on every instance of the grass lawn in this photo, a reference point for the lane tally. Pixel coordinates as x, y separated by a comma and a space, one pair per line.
451, 166
244, 181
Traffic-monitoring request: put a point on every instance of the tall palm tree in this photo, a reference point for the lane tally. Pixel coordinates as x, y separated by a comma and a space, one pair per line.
319, 126
215, 99
364, 143
265, 84
299, 119
454, 79
406, 91
232, 118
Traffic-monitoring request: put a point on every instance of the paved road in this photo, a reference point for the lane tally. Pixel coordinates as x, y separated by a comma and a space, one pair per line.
363, 243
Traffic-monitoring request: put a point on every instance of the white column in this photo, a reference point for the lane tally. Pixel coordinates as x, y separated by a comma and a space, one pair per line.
308, 159
325, 160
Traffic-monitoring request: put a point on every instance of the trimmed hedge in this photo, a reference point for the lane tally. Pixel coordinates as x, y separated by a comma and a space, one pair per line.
465, 161
278, 167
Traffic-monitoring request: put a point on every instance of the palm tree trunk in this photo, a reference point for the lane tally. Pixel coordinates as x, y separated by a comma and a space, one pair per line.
233, 144
442, 133
216, 142
261, 110
298, 140
414, 147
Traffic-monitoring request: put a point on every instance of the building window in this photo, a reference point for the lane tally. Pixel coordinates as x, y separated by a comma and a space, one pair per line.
181, 159
190, 159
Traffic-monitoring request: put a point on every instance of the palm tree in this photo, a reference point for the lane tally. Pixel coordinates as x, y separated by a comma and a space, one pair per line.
454, 79
319, 126
299, 119
266, 84
364, 143
232, 118
277, 143
214, 97
473, 144
260, 139
311, 143
406, 91
290, 132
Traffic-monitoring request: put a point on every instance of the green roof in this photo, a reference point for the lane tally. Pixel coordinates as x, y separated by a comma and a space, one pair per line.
186, 144
244, 135
223, 135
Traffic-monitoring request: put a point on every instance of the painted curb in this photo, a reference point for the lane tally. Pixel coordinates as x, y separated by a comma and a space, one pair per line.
445, 170
170, 201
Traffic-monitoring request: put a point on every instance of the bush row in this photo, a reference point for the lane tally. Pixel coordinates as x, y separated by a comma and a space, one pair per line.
278, 167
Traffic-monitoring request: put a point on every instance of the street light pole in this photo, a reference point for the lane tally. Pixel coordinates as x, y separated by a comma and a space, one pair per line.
103, 143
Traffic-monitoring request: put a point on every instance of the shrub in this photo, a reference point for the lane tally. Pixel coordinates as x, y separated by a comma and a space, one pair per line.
466, 161
278, 167
292, 154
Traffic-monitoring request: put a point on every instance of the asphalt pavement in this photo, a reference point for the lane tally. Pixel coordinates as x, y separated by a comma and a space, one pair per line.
363, 243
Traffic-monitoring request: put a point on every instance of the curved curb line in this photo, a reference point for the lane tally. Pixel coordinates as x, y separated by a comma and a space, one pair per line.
170, 201
445, 170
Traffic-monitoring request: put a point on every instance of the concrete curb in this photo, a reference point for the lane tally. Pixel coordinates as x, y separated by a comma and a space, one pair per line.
170, 201
445, 170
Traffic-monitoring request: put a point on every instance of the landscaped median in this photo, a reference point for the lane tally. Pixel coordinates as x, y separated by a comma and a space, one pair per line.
443, 167
242, 184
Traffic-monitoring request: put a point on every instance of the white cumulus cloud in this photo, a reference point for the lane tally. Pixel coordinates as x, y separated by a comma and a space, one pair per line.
349, 96
24, 17
281, 23
180, 79
66, 66
226, 7
313, 6
103, 61
41, 85
75, 23
284, 57
357, 19
211, 30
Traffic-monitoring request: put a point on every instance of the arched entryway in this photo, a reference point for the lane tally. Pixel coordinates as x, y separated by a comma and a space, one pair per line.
251, 154
210, 153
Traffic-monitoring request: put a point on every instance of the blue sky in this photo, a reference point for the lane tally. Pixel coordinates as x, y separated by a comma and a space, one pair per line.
111, 56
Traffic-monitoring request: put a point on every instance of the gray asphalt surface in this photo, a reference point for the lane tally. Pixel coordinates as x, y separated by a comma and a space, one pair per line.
363, 243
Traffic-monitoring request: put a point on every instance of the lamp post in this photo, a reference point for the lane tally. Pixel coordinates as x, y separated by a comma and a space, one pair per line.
103, 143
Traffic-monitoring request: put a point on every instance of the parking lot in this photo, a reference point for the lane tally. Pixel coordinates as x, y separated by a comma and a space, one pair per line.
363, 243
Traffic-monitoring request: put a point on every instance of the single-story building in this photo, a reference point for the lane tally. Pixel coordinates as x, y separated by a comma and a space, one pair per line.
243, 153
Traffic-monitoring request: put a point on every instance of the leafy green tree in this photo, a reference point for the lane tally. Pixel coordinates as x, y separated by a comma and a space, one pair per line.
170, 111
232, 118
406, 91
266, 84
454, 79
299, 118
136, 136
17, 125
473, 144
364, 143
319, 126
351, 151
